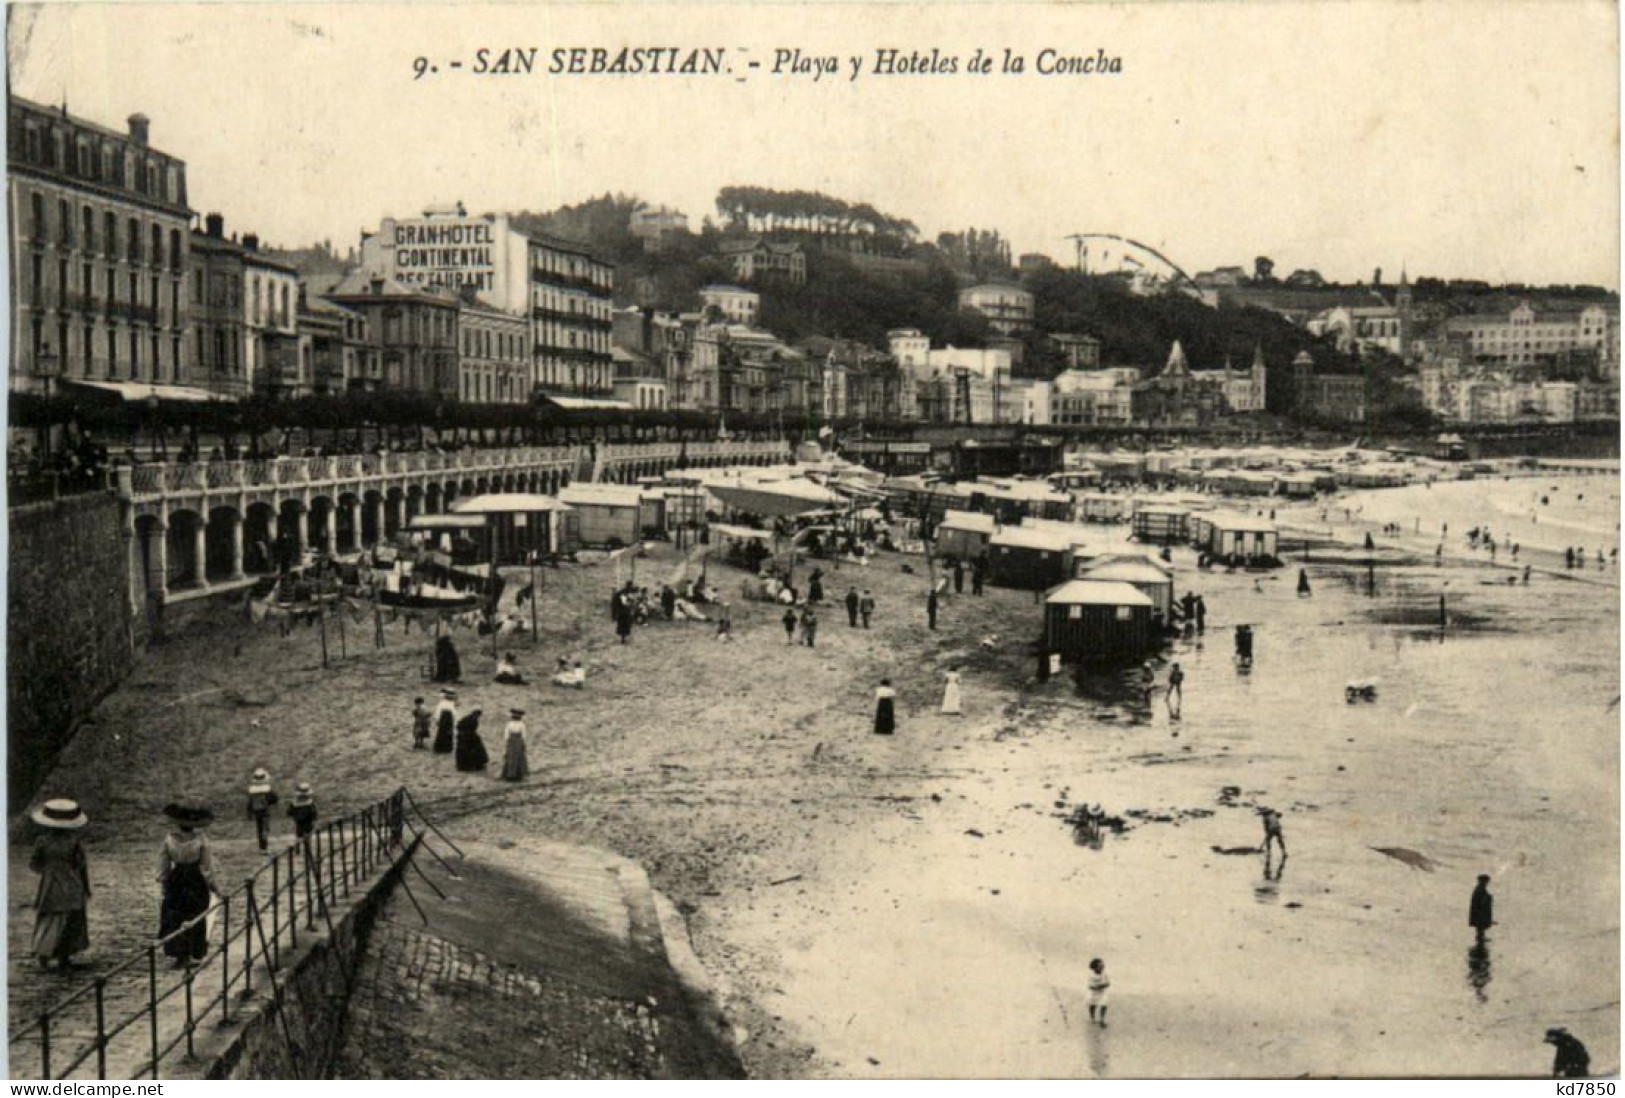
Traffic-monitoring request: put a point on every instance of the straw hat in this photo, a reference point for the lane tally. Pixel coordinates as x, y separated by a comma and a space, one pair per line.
188, 815
302, 794
61, 815
261, 774
516, 712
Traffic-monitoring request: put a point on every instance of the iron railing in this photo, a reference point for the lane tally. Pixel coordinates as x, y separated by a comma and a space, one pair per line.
117, 1013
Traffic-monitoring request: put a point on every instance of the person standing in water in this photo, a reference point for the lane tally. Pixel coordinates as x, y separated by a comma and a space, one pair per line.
1272, 832
1176, 688
1481, 908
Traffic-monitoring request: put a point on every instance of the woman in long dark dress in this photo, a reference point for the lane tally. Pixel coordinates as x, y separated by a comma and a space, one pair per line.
447, 667
60, 928
885, 709
445, 722
186, 870
471, 754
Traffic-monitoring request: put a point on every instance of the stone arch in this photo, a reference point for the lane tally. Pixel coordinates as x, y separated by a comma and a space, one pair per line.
289, 550
466, 488
482, 485
319, 520
259, 539
372, 505
448, 493
223, 548
186, 565
392, 511
434, 502
349, 522
150, 543
414, 501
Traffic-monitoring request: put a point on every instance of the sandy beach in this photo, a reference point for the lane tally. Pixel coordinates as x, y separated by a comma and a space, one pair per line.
917, 906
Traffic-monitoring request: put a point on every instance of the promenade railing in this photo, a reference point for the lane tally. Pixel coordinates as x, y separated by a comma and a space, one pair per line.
117, 1016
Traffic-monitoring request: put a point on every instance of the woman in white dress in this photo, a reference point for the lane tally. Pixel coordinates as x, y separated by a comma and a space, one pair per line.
950, 694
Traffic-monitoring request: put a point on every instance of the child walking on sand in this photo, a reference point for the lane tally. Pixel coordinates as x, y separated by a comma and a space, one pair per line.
1098, 983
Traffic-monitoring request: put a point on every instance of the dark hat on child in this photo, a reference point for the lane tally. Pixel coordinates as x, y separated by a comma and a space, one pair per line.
188, 815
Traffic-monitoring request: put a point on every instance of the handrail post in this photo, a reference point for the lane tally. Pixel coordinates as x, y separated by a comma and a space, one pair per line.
293, 903
332, 869
191, 1051
45, 1044
344, 856
225, 960
152, 1004
248, 938
276, 895
310, 907
101, 1027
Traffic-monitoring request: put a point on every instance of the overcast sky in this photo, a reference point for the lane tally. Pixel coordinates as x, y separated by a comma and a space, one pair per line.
1462, 139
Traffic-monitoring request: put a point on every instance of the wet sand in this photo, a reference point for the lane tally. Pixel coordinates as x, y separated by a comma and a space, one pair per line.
925, 950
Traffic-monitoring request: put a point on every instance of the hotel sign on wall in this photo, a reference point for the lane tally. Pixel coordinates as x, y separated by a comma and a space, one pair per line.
444, 252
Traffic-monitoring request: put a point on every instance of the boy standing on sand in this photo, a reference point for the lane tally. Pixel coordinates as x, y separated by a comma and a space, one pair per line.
1098, 983
420, 725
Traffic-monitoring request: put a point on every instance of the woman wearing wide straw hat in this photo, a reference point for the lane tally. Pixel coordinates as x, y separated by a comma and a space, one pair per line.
60, 928
186, 870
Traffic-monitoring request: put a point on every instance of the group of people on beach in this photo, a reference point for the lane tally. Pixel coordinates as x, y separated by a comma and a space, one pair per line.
460, 737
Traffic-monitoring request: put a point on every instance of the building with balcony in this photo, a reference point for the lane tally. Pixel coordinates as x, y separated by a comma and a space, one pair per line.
572, 304
327, 357
1094, 398
562, 291
1525, 337
219, 357
412, 331
734, 303
654, 226
271, 324
99, 236
1007, 308
757, 259
494, 354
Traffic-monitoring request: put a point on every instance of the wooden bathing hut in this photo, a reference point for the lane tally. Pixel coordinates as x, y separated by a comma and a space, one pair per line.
1097, 620
518, 524
1029, 559
964, 535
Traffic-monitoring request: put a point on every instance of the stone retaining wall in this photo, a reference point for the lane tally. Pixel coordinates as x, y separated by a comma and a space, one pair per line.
69, 633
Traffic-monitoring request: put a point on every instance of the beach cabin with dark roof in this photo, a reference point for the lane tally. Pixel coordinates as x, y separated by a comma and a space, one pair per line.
1027, 559
1098, 620
516, 524
964, 535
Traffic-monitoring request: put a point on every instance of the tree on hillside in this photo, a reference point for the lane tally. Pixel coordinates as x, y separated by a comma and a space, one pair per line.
982, 253
843, 301
764, 210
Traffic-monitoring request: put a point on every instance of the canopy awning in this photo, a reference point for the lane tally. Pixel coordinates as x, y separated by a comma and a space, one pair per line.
140, 390
777, 499
740, 533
